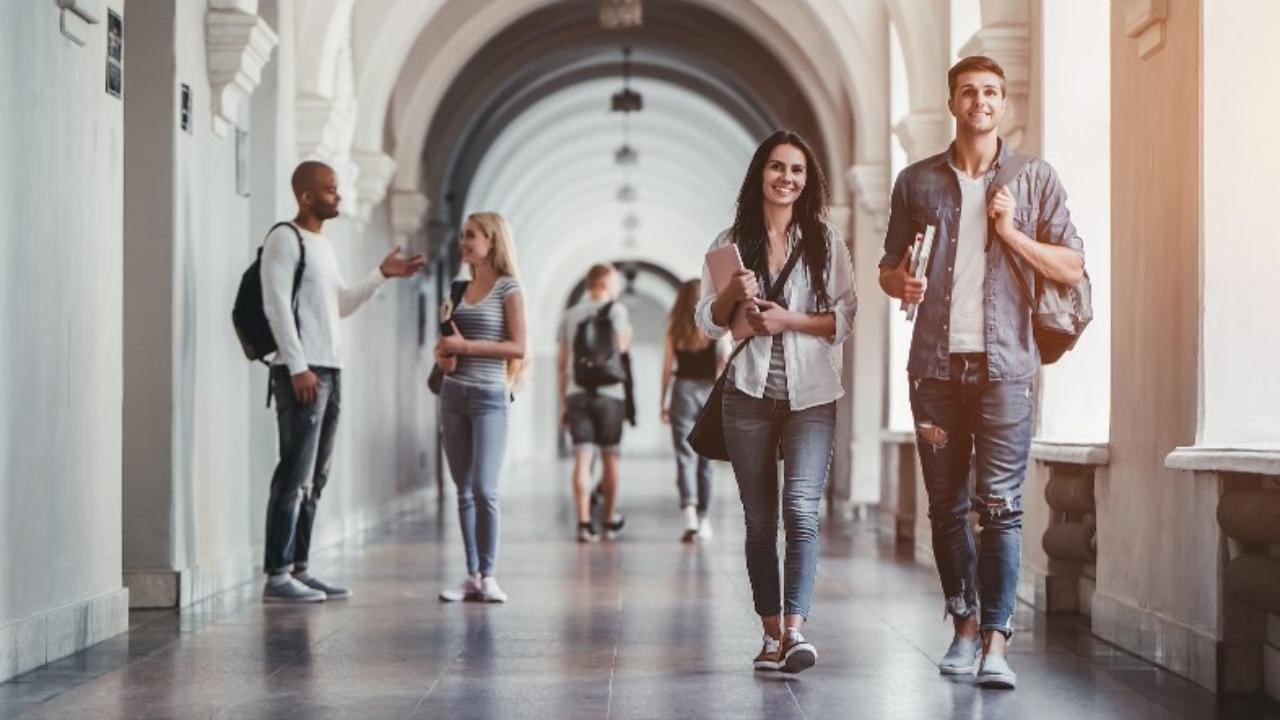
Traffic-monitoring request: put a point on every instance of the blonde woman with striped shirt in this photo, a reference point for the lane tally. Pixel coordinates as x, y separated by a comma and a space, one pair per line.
481, 361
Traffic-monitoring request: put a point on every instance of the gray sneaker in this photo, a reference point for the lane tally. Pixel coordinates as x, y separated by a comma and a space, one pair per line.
331, 592
962, 657
291, 591
996, 673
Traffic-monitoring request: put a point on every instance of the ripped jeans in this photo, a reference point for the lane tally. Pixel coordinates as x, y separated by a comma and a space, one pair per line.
969, 421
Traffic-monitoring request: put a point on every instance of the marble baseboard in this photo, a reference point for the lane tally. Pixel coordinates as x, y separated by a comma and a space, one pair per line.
168, 588
1182, 649
47, 636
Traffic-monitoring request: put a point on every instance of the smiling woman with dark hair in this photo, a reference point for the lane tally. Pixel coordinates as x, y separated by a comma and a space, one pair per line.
780, 398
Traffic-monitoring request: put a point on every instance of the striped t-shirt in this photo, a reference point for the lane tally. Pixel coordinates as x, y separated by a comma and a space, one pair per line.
485, 320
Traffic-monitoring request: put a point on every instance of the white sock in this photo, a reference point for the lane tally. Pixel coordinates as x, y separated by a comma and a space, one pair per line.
278, 578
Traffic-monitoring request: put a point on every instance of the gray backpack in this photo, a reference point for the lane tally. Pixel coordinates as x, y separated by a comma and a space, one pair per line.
1059, 314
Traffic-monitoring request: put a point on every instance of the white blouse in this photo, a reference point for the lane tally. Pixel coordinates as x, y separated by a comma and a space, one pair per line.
813, 363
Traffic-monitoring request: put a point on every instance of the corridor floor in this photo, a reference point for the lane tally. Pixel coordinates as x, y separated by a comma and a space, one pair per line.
640, 628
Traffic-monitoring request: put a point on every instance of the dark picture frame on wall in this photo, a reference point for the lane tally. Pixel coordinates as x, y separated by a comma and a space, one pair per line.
115, 54
242, 162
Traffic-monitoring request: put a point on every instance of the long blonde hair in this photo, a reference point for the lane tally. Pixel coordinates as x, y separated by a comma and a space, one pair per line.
682, 331
503, 259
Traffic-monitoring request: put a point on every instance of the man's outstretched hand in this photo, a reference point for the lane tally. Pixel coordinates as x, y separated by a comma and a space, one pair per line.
396, 265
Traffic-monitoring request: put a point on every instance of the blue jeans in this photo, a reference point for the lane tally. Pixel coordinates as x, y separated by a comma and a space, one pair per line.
307, 434
970, 422
687, 398
755, 430
474, 425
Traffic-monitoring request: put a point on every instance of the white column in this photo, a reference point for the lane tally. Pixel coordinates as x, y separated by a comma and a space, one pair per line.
870, 186
1239, 343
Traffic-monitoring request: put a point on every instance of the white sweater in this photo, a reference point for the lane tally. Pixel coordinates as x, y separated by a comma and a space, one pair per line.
323, 298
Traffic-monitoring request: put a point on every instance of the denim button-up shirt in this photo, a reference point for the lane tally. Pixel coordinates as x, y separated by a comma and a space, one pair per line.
928, 193
813, 363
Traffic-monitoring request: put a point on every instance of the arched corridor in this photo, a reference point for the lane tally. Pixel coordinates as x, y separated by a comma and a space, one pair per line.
150, 147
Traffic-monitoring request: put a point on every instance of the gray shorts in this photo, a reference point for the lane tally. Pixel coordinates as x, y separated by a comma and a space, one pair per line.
596, 420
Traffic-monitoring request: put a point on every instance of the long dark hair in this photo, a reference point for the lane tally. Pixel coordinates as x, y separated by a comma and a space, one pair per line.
809, 213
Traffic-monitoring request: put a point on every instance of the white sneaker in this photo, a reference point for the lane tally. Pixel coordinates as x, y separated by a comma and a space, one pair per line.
468, 591
490, 592
690, 524
704, 528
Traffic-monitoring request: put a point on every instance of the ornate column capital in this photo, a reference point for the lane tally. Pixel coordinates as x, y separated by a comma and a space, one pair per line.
238, 45
408, 210
923, 133
870, 184
375, 171
1144, 20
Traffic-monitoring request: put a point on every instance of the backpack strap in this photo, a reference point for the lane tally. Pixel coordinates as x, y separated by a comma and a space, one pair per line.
1012, 166
297, 282
604, 310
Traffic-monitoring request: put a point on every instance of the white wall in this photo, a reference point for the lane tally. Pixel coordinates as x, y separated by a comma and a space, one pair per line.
1076, 93
1240, 390
60, 315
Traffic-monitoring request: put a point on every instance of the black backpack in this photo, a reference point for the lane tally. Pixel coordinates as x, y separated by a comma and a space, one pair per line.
248, 316
596, 359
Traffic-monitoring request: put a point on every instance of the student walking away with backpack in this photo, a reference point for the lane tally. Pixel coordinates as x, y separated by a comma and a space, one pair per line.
593, 336
1000, 223
481, 360
782, 387
693, 360
306, 372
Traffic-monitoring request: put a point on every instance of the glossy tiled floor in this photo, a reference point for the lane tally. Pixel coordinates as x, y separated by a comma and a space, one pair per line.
641, 628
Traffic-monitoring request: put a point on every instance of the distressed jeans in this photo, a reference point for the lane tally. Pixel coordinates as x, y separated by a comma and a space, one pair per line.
474, 427
307, 434
687, 398
971, 423
755, 430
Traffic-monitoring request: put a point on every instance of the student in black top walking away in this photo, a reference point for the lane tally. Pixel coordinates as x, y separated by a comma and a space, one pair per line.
694, 360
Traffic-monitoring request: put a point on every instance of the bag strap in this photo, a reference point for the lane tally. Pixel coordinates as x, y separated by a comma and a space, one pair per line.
457, 290
1009, 170
302, 257
604, 310
775, 291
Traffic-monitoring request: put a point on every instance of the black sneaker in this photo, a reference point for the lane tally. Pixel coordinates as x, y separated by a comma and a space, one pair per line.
587, 533
614, 526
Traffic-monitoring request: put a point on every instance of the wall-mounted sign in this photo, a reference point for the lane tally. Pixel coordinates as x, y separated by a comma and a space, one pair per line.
242, 163
115, 54
185, 115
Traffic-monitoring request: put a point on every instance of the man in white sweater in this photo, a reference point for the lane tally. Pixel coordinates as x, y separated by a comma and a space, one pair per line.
305, 374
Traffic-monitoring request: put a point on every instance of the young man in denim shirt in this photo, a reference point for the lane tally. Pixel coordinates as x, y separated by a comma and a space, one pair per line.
973, 355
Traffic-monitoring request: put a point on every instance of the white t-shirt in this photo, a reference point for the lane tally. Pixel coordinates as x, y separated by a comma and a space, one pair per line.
967, 310
323, 298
